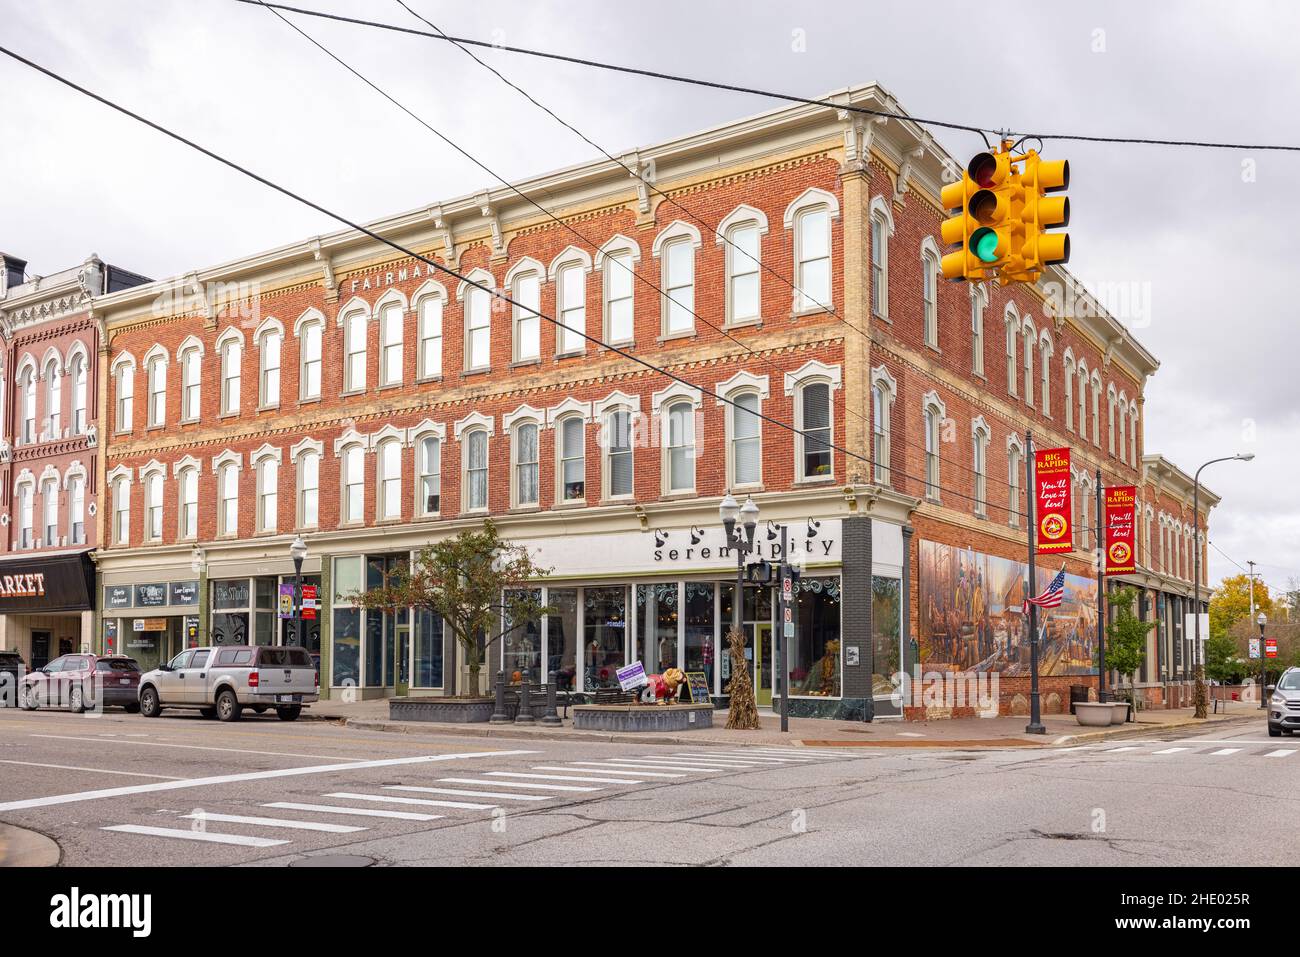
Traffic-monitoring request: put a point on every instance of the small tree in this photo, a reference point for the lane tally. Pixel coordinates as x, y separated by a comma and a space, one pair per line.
477, 582
1126, 637
1222, 662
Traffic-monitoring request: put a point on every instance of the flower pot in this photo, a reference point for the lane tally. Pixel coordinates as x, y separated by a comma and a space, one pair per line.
1093, 714
1120, 712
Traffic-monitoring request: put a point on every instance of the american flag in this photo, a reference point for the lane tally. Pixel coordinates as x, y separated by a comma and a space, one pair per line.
1051, 595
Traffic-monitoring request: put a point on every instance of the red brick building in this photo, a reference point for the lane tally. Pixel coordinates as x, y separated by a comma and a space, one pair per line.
782, 267
49, 479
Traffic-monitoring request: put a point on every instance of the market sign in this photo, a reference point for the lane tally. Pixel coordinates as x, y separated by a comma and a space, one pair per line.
1052, 499
1121, 528
59, 583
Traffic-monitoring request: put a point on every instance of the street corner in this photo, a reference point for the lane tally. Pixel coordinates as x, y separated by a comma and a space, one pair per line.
21, 847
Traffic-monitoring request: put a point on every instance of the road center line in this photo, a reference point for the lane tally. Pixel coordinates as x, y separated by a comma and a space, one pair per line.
246, 776
72, 767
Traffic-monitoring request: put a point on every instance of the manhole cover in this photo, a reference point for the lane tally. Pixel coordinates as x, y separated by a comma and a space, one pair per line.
334, 860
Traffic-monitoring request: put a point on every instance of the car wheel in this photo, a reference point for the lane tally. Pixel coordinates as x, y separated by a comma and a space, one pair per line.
289, 712
1274, 732
228, 706
76, 701
150, 706
208, 712
259, 709
30, 700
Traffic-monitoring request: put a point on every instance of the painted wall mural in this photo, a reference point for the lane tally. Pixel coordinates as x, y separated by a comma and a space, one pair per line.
971, 620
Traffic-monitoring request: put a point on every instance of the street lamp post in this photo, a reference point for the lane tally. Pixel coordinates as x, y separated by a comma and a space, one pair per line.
742, 541
298, 552
1198, 653
1263, 695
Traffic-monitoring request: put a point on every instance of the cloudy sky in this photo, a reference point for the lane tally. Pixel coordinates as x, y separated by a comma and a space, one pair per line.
1201, 237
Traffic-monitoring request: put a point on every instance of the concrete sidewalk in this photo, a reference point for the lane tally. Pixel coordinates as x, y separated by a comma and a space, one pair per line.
1001, 732
20, 847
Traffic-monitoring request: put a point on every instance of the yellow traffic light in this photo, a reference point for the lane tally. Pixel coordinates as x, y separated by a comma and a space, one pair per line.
984, 229
1042, 212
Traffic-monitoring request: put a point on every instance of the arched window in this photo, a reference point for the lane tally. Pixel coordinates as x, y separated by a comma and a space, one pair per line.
232, 356
54, 398
388, 481
1133, 435
814, 438
309, 490
1096, 409
478, 323
25, 519
77, 510
1045, 375
675, 246
310, 335
476, 470
743, 252
571, 446
978, 300
270, 347
78, 394
930, 293
354, 351
1068, 362
187, 491
526, 291
1015, 473
429, 309
153, 507
50, 501
125, 388
1110, 419
679, 423
746, 439
618, 453
1122, 409
122, 511
156, 381
429, 461
1029, 364
813, 258
354, 484
268, 493
1013, 340
933, 411
524, 448
882, 227
1083, 401
27, 391
191, 361
980, 464
391, 319
228, 500
617, 268
571, 304
883, 392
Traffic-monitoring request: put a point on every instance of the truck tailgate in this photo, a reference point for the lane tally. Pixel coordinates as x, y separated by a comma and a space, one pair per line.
285, 671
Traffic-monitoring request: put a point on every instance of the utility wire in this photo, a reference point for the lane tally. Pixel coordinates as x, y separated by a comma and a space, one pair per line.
705, 390
770, 94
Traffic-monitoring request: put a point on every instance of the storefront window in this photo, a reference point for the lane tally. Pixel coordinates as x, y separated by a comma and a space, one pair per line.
562, 635
265, 621
230, 594
700, 653
230, 628
521, 649
815, 651
656, 607
886, 621
346, 644
428, 650
347, 577
604, 631
374, 675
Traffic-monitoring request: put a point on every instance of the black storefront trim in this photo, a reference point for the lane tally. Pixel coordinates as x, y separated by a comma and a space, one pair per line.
35, 586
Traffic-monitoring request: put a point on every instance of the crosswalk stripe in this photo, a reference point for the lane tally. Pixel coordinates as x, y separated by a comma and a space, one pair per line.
188, 835
561, 777
393, 799
608, 769
1172, 750
497, 782
274, 822
358, 811
633, 764
1224, 751
755, 753
477, 794
709, 762
747, 759
1282, 753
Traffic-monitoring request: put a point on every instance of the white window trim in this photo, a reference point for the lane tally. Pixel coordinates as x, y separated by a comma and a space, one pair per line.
677, 230
381, 439
157, 354
418, 433
569, 256
930, 262
555, 420
931, 401
812, 373
615, 247
981, 439
979, 297
463, 291
880, 208
880, 376
525, 268
125, 362
661, 411
1015, 478
742, 383
355, 307
510, 425
742, 216
463, 434
432, 289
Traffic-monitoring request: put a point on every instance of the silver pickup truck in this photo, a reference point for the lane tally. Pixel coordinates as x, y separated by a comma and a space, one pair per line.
222, 681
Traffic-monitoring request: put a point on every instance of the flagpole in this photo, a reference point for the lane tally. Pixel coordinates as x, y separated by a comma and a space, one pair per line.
1035, 725
1101, 594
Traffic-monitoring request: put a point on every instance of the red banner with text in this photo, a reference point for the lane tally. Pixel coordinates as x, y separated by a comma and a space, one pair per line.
1121, 529
1052, 491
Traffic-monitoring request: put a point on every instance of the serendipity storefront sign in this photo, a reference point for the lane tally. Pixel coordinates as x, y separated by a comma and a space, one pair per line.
1121, 528
1052, 498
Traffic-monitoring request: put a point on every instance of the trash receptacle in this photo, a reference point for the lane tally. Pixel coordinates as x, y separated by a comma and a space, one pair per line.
1077, 693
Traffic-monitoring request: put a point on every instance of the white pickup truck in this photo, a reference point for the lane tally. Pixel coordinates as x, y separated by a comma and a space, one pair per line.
221, 681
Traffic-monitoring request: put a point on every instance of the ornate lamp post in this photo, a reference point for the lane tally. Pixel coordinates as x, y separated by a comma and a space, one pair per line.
741, 542
298, 552
1263, 693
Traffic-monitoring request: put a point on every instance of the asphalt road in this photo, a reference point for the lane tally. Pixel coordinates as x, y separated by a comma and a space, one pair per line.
123, 790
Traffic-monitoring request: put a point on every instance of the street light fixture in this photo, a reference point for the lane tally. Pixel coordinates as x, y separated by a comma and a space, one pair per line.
1198, 653
298, 552
1263, 695
742, 543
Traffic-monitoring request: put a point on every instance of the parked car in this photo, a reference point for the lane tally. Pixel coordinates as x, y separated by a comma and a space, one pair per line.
1284, 704
12, 669
81, 682
222, 681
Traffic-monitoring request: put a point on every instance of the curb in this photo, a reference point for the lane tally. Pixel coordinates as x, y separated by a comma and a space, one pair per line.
1140, 728
509, 731
20, 847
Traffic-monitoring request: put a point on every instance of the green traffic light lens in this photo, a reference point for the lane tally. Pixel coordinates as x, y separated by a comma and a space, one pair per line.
984, 243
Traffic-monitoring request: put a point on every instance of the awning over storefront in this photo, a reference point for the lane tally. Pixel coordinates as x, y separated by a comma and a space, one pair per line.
33, 585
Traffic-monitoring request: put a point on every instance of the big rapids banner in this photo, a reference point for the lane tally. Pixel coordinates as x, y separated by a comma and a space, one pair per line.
1052, 499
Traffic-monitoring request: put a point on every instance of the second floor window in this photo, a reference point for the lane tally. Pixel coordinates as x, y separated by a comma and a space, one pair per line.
879, 261
813, 275
308, 490
880, 433
268, 494
618, 452
157, 376
976, 332
981, 454
270, 372
815, 426
389, 480
746, 440
310, 337
571, 299
153, 508
25, 515
430, 465
50, 499
232, 355
525, 449
121, 511
932, 436
390, 355
528, 323
354, 483
930, 298
188, 487
573, 459
476, 470
681, 447
228, 500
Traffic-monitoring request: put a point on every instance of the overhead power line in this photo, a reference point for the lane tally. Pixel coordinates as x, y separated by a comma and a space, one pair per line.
771, 94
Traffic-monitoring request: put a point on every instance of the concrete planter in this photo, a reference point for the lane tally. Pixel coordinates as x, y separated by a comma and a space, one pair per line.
1093, 714
621, 717
1119, 712
447, 710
